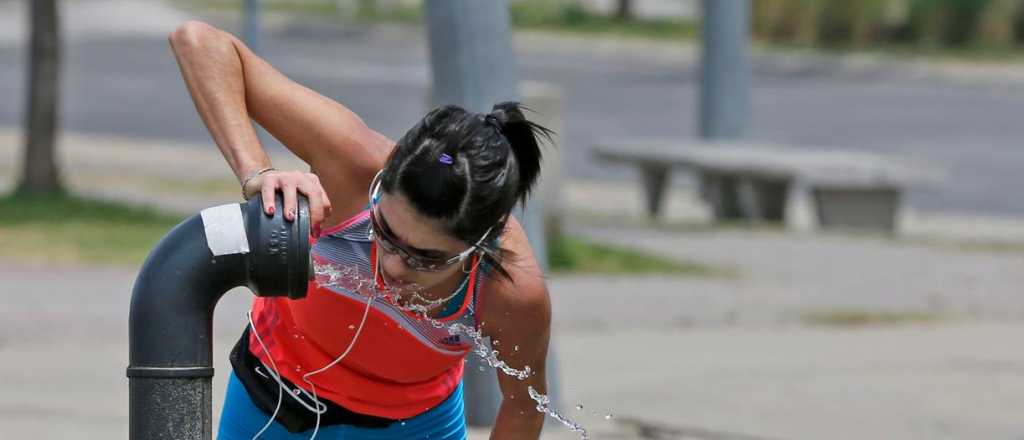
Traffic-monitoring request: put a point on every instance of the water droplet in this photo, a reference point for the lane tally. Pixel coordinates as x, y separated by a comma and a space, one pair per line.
579, 406
516, 348
607, 416
496, 342
295, 335
298, 368
403, 422
351, 326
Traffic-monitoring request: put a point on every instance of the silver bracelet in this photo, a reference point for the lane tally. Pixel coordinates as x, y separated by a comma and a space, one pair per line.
254, 175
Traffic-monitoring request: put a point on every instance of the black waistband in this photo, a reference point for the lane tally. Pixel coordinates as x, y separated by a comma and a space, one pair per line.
263, 390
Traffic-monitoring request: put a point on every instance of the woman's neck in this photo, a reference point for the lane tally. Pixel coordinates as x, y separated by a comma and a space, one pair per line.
437, 297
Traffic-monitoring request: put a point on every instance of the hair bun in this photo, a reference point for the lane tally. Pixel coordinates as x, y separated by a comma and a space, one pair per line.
523, 138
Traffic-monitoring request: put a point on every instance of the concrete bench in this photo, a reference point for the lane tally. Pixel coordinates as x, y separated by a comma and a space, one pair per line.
753, 182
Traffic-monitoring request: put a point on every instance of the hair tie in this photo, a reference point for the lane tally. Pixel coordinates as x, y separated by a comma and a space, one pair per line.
496, 119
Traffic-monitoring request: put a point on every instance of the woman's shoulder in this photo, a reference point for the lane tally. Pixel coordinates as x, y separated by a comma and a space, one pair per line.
353, 219
526, 292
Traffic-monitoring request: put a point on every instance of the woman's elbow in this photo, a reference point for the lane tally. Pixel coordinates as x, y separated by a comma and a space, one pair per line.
191, 34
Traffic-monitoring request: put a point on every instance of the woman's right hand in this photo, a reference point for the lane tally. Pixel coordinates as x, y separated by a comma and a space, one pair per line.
291, 183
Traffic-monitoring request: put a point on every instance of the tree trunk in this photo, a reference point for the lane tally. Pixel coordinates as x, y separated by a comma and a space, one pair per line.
624, 11
40, 173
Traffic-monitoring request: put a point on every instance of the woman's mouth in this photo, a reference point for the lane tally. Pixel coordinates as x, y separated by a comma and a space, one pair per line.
391, 281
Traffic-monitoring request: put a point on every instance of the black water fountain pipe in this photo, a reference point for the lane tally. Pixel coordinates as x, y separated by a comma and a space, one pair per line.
170, 334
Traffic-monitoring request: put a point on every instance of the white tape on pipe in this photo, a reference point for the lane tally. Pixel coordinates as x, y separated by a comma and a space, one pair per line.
225, 230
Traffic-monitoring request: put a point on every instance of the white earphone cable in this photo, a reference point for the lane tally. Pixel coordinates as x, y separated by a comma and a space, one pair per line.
273, 373
320, 407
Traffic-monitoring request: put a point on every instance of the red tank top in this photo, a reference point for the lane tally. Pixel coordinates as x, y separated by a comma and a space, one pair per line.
400, 365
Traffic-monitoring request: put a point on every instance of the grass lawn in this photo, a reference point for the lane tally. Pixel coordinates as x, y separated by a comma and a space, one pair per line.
574, 255
69, 229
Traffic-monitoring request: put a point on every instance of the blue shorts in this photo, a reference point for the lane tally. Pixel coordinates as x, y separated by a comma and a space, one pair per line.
241, 419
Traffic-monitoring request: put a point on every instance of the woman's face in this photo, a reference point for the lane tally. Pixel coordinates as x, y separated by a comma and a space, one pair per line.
419, 235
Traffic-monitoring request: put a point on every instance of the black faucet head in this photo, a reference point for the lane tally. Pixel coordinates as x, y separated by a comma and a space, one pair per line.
279, 258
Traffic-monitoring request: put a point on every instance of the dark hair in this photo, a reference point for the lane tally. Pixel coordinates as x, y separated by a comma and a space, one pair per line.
468, 170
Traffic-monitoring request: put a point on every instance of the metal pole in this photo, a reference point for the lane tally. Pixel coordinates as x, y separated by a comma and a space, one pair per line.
473, 65
251, 34
725, 70
251, 24
471, 57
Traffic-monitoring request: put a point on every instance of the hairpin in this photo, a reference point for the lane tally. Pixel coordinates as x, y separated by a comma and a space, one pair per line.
446, 159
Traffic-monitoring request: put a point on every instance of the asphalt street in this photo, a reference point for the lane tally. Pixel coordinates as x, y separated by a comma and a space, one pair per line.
128, 84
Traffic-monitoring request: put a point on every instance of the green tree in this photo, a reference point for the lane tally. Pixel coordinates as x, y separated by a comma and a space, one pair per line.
40, 173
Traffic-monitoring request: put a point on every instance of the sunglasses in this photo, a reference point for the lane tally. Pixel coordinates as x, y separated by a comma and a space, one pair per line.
381, 232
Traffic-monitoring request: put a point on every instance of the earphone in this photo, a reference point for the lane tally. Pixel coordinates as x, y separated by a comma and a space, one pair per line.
320, 407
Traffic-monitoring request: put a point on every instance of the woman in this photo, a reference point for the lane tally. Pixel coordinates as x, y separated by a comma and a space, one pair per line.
335, 365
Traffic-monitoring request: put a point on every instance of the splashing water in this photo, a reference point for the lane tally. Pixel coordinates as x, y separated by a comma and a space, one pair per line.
407, 298
349, 278
544, 406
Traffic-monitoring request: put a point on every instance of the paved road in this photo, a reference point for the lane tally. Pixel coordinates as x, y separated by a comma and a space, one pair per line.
127, 83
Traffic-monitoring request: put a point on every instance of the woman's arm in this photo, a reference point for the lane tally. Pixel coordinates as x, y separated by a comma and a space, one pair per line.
230, 84
517, 318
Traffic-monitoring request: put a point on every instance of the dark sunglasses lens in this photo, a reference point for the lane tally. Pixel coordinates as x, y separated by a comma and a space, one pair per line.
389, 245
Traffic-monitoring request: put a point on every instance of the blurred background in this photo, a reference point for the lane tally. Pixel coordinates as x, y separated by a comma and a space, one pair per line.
765, 219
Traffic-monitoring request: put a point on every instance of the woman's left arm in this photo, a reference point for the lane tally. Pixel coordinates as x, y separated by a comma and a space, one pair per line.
517, 317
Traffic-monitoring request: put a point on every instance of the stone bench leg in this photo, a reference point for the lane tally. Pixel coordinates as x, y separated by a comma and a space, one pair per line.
857, 208
745, 198
720, 192
655, 178
767, 198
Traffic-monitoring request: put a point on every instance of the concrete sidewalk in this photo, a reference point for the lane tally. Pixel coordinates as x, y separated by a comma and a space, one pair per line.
65, 341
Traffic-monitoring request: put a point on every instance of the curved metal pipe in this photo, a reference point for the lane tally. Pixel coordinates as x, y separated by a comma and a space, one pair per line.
170, 325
